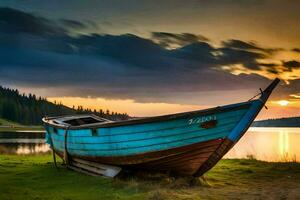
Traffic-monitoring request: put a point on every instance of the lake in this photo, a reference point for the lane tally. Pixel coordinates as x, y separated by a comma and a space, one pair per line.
268, 144
23, 142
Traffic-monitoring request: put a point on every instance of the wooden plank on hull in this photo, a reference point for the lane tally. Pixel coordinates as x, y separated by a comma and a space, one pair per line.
95, 168
82, 171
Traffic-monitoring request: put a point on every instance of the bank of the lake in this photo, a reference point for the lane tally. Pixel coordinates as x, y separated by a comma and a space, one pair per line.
35, 177
20, 128
10, 126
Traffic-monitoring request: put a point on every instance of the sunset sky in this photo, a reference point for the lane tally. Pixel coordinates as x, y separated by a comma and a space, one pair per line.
152, 57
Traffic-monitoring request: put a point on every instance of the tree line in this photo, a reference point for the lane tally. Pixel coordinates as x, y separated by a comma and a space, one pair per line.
281, 122
29, 109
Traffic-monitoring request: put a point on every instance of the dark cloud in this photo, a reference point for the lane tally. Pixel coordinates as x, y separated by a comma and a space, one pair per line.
271, 67
14, 21
242, 45
168, 40
297, 50
198, 51
126, 48
73, 24
268, 64
248, 59
290, 65
238, 44
277, 68
273, 71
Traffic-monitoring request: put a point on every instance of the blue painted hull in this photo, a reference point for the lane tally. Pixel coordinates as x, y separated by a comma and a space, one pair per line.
142, 138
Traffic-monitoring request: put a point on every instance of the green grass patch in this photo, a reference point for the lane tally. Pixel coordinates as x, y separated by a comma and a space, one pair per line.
9, 126
35, 177
4, 122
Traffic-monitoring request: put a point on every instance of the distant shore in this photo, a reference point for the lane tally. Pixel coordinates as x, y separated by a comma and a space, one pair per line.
280, 122
9, 126
35, 177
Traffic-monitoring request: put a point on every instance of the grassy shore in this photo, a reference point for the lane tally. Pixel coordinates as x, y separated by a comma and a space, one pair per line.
35, 177
9, 126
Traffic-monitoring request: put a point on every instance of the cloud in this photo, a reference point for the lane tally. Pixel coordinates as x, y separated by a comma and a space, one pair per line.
297, 50
197, 51
238, 44
290, 65
250, 46
272, 68
295, 96
41, 53
232, 56
14, 21
172, 40
73, 24
129, 49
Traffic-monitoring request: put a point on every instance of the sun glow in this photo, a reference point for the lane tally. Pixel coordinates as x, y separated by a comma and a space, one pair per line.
128, 106
283, 102
283, 144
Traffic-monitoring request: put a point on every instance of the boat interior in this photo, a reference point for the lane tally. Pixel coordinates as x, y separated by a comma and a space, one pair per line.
79, 120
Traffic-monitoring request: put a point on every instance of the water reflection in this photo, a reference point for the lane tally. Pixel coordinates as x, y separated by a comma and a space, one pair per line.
23, 142
269, 144
283, 143
24, 148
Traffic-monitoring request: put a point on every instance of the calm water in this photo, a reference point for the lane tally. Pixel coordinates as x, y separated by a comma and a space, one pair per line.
23, 142
269, 144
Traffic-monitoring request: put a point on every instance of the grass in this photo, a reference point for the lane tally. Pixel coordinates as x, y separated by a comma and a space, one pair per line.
9, 126
4, 122
35, 177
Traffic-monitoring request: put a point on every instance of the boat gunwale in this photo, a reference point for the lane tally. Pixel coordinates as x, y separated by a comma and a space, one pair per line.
182, 115
142, 131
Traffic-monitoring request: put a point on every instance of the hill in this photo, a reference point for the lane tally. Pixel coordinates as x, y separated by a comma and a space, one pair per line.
29, 109
281, 122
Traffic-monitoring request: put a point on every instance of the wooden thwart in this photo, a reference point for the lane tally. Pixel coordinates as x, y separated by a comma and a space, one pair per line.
93, 168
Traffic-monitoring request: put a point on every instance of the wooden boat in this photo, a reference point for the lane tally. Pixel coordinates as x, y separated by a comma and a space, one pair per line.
188, 143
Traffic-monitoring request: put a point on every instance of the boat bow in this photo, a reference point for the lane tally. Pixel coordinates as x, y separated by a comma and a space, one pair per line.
239, 130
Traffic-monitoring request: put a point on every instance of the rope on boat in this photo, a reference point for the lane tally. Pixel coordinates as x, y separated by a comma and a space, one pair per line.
53, 151
66, 157
54, 158
260, 93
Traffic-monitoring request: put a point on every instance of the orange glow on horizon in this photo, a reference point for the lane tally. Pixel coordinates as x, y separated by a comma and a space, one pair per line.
275, 110
152, 109
128, 106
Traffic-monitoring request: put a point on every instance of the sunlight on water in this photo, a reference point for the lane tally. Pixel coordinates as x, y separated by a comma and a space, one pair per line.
283, 143
23, 148
269, 144
39, 148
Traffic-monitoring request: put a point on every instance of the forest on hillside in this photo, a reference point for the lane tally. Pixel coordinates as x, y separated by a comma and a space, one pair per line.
29, 109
